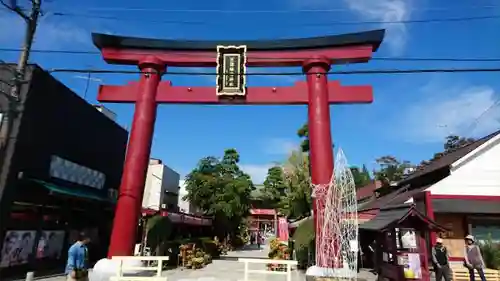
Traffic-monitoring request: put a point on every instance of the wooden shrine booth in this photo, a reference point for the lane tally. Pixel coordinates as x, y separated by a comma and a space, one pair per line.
399, 234
231, 59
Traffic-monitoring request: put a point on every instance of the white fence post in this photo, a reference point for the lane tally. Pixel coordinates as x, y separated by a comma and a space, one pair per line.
245, 278
288, 264
30, 276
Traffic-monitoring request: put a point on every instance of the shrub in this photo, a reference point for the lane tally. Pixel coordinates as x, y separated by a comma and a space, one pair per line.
491, 253
207, 258
238, 242
210, 247
304, 242
277, 251
157, 228
195, 258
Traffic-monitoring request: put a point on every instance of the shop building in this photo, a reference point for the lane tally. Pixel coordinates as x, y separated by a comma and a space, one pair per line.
161, 190
62, 177
459, 191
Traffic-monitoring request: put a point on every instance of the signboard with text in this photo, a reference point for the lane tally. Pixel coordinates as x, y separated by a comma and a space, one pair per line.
231, 70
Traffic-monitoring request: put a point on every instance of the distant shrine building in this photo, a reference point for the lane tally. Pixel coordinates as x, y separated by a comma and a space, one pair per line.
262, 218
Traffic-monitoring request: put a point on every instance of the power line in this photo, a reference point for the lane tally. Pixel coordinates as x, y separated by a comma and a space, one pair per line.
352, 72
83, 52
475, 122
159, 10
436, 20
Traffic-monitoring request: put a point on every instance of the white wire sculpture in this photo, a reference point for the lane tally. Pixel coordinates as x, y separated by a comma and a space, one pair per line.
339, 237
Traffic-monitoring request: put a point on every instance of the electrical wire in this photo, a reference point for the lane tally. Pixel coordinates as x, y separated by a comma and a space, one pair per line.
145, 20
159, 10
353, 72
87, 86
83, 52
475, 122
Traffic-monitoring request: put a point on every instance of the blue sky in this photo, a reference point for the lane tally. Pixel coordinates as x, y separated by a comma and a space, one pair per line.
409, 118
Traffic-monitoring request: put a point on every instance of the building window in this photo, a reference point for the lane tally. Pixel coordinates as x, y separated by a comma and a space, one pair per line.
482, 228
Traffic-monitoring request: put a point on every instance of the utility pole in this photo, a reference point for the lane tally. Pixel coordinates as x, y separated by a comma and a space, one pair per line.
8, 130
31, 25
31, 20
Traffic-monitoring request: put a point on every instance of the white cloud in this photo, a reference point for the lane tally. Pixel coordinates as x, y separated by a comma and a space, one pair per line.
50, 34
280, 146
257, 172
464, 111
386, 11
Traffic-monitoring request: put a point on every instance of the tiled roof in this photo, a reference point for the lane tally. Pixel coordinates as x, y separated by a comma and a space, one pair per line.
381, 201
389, 217
449, 158
367, 190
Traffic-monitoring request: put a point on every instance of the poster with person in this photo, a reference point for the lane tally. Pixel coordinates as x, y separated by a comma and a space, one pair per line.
50, 244
17, 247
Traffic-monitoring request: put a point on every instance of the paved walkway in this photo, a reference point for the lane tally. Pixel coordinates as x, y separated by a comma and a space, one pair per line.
249, 251
229, 269
224, 270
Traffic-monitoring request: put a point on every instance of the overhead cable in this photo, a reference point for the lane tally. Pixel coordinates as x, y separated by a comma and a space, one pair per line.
248, 11
444, 59
352, 72
205, 23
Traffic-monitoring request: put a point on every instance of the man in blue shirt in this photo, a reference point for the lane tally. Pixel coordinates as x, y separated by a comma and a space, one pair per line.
77, 265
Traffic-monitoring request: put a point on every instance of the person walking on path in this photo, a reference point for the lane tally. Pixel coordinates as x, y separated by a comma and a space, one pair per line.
77, 265
473, 258
440, 259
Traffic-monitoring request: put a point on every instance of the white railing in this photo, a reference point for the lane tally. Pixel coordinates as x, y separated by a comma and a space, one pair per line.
288, 264
150, 263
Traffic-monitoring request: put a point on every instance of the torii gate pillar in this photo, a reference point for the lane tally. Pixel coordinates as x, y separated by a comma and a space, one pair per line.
137, 159
320, 144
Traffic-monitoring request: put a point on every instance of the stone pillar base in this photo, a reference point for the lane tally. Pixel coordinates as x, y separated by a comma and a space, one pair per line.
316, 273
104, 269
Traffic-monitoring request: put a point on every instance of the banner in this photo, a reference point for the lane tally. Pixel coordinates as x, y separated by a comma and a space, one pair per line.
282, 229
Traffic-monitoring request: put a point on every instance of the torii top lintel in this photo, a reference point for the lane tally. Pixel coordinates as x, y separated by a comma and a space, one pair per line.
344, 48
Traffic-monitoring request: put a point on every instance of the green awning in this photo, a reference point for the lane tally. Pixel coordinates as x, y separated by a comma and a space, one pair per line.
69, 191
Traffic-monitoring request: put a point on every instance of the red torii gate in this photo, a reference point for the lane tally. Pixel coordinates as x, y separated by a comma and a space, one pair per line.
152, 56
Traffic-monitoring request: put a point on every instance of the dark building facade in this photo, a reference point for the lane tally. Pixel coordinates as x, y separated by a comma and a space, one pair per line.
61, 168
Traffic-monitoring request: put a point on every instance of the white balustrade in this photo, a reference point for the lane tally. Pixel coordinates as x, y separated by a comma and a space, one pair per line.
288, 263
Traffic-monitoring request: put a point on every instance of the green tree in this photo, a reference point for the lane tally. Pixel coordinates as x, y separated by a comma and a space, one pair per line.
297, 200
303, 133
361, 176
451, 143
274, 186
391, 169
221, 189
